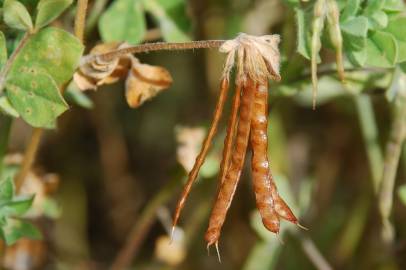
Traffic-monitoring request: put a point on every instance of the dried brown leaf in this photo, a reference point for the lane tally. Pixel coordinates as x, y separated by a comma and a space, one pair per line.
144, 82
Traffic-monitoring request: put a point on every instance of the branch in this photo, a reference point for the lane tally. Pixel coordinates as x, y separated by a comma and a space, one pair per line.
80, 19
158, 46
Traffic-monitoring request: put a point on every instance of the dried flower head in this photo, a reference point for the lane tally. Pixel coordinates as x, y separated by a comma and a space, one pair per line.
257, 57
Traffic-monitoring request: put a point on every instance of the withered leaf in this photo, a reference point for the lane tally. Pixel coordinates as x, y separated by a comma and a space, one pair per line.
144, 82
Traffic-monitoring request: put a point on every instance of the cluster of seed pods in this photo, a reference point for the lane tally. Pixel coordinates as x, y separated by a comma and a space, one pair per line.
256, 60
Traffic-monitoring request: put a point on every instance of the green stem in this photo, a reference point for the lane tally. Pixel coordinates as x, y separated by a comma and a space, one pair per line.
5, 128
392, 155
94, 15
369, 131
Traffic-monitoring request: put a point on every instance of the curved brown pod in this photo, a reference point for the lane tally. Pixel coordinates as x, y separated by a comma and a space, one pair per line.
260, 164
203, 153
229, 185
229, 140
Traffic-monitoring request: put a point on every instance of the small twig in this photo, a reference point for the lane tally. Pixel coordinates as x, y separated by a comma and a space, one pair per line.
80, 19
157, 46
140, 229
29, 157
6, 69
314, 255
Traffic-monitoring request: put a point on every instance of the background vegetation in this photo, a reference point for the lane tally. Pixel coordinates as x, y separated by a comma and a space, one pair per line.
107, 177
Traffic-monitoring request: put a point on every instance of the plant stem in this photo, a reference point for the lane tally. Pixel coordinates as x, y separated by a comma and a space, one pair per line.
369, 131
313, 253
29, 157
392, 155
140, 229
4, 137
80, 19
157, 46
6, 69
94, 15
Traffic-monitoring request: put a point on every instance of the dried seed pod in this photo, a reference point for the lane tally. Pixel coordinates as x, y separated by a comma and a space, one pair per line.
224, 86
229, 140
260, 163
229, 185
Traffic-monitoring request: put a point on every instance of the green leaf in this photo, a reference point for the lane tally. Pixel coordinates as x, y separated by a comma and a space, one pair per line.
402, 194
16, 15
7, 108
354, 33
303, 21
123, 21
393, 6
17, 229
357, 58
170, 31
6, 190
382, 50
378, 20
350, 9
16, 207
49, 10
35, 96
52, 51
397, 28
76, 96
357, 26
373, 6
3, 50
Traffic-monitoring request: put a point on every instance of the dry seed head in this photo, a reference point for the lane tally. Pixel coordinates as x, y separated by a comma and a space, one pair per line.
257, 57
